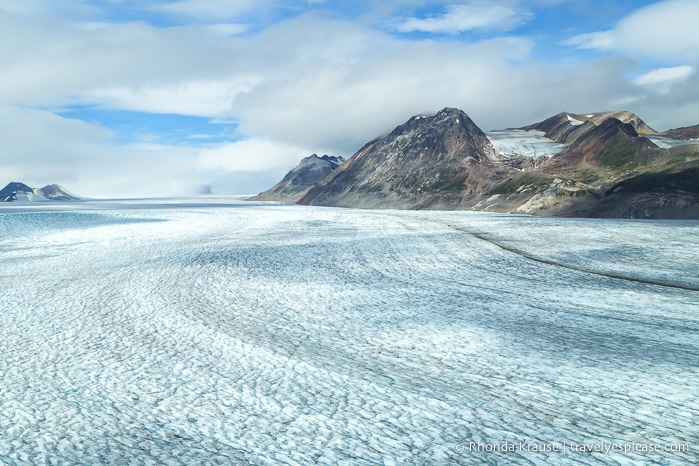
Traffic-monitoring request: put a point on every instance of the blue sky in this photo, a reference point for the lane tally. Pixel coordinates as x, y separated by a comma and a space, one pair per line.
158, 98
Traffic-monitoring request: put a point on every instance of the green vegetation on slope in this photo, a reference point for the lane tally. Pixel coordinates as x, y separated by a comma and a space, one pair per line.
511, 186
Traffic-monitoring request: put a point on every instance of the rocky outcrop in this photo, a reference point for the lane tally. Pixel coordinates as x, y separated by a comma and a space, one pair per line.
308, 173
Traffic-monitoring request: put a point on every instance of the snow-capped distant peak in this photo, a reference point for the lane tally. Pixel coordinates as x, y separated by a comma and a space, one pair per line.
20, 192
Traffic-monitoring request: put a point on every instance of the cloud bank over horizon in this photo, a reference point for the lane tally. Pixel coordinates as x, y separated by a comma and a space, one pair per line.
162, 98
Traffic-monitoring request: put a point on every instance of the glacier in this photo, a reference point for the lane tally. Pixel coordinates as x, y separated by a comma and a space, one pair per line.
527, 143
668, 142
216, 331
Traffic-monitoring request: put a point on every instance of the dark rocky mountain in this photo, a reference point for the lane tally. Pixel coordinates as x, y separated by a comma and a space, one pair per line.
57, 192
15, 191
665, 193
311, 171
609, 166
429, 161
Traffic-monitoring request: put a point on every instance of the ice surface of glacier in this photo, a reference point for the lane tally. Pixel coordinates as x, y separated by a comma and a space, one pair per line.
526, 143
222, 332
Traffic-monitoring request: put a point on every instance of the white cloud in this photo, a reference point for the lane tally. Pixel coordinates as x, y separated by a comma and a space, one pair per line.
188, 70
337, 85
251, 155
664, 31
664, 75
678, 106
305, 84
205, 98
467, 17
215, 10
65, 8
40, 148
40, 138
227, 29
595, 40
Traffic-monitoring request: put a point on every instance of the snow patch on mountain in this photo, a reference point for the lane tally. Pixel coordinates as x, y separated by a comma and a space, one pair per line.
575, 121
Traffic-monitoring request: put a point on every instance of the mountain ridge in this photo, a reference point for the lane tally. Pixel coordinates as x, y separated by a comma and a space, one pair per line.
18, 191
604, 164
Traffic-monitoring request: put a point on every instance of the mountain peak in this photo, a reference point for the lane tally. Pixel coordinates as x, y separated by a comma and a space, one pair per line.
443, 114
625, 117
566, 127
330, 159
617, 124
16, 191
428, 155
450, 125
308, 173
56, 192
450, 111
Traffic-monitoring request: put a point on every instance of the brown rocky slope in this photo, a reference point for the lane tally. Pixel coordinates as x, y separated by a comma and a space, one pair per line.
609, 167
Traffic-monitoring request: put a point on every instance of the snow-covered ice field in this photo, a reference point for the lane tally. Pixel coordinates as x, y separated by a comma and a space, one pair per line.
527, 143
214, 331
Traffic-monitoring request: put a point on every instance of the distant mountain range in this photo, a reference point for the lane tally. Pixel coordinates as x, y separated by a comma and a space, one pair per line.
16, 191
609, 164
